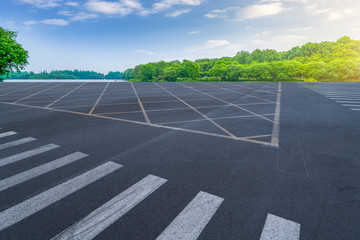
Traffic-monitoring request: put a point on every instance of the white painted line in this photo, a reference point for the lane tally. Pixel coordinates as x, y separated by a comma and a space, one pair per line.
98, 100
198, 112
232, 104
350, 102
356, 109
65, 95
22, 99
141, 105
351, 105
189, 224
245, 94
276, 124
27, 154
16, 143
37, 171
97, 221
277, 228
22, 89
27, 208
7, 134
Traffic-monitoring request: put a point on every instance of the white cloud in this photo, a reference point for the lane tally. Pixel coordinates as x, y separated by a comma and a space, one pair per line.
263, 10
83, 16
122, 7
54, 21
211, 44
177, 13
164, 5
262, 34
194, 32
72, 4
42, 3
143, 51
249, 12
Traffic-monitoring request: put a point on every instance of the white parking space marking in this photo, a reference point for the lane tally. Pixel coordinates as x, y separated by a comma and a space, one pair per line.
7, 134
97, 221
16, 143
37, 171
65, 95
27, 154
277, 228
189, 224
27, 208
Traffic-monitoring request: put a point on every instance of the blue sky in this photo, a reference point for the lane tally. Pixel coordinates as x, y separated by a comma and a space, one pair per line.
112, 35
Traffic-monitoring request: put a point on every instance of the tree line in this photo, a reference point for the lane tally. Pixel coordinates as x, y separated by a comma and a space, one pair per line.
66, 74
325, 61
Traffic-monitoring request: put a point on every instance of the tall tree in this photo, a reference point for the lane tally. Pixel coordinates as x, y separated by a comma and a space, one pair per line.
12, 56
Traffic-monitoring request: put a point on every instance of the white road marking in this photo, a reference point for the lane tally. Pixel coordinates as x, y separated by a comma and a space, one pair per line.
19, 90
141, 105
65, 95
351, 105
356, 109
189, 224
232, 104
277, 228
22, 99
27, 208
349, 102
198, 112
145, 124
97, 221
37, 171
16, 143
7, 134
98, 100
27, 154
276, 124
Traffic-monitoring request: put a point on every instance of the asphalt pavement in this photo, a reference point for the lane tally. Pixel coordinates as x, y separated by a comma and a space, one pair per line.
180, 161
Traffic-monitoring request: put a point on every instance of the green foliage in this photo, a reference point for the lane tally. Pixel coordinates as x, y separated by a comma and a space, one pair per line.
325, 61
12, 56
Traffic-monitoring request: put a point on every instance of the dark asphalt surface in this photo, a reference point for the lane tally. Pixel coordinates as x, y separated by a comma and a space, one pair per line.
312, 178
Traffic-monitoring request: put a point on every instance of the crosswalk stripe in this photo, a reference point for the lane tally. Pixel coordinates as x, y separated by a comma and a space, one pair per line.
32, 205
7, 134
97, 221
27, 154
189, 224
350, 102
356, 109
351, 105
16, 143
37, 171
277, 228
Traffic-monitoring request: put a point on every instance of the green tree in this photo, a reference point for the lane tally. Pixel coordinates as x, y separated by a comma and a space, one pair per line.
12, 56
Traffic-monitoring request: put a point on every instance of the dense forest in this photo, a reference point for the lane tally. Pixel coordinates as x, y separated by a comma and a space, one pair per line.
325, 61
67, 74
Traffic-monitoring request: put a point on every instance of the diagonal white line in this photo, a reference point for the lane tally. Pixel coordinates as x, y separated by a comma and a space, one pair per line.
189, 224
98, 100
140, 104
7, 134
97, 221
245, 94
197, 111
34, 94
37, 171
16, 143
27, 154
32, 205
277, 228
234, 105
36, 85
65, 95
